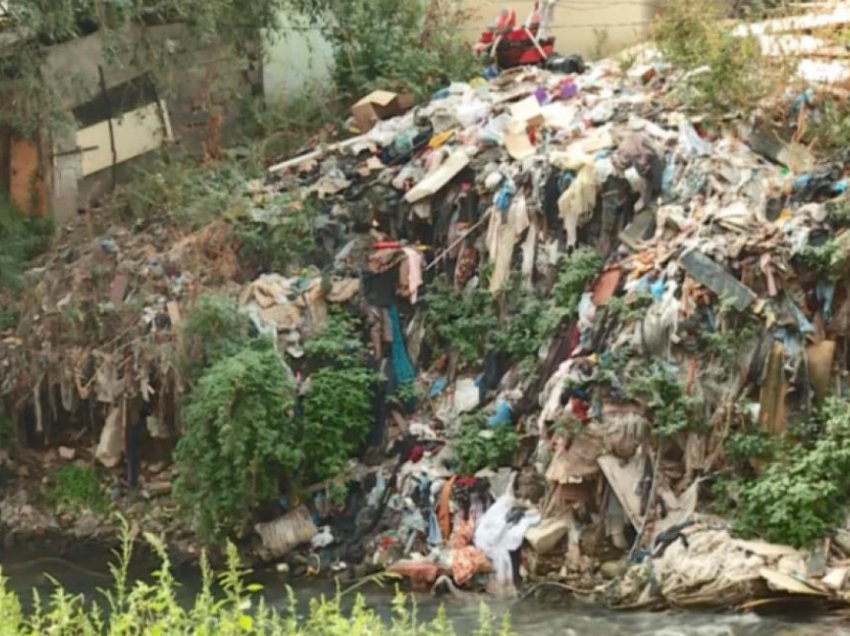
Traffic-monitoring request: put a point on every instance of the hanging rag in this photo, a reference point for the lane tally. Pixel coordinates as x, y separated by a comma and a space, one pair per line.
414, 272
578, 201
401, 361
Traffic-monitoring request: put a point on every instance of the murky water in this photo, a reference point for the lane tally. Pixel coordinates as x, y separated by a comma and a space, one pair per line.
85, 573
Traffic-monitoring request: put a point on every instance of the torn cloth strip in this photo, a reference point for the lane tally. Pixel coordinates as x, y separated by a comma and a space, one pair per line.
401, 361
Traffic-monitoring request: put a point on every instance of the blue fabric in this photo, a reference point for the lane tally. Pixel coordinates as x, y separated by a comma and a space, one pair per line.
503, 415
437, 386
658, 289
404, 372
503, 197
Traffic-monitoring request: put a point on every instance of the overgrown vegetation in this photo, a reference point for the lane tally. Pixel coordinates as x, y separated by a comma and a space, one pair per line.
245, 440
574, 273
462, 320
226, 604
237, 443
478, 445
188, 192
672, 408
732, 76
405, 46
215, 329
468, 321
803, 490
22, 238
34, 97
76, 487
337, 409
280, 235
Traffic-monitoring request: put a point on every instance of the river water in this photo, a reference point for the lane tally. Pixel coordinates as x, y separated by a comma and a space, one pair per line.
85, 572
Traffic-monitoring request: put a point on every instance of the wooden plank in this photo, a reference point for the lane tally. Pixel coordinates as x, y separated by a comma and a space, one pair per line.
772, 396
625, 479
437, 179
316, 154
136, 133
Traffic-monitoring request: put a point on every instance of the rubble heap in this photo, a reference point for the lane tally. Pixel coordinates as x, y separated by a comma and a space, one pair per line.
710, 284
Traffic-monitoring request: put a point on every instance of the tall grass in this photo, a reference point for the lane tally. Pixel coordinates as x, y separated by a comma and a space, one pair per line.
143, 608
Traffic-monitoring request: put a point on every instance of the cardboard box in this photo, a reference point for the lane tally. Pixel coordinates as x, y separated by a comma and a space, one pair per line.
380, 105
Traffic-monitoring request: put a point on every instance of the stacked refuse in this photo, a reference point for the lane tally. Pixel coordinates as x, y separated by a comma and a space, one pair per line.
703, 234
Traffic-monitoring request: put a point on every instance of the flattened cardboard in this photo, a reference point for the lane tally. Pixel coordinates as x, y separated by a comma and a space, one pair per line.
437, 179
528, 112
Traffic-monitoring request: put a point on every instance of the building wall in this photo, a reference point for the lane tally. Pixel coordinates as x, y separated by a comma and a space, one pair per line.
194, 103
588, 27
299, 61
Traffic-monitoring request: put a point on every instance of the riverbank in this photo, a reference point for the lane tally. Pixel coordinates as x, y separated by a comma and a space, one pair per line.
85, 573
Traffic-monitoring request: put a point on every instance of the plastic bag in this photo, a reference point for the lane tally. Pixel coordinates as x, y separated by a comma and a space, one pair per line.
497, 538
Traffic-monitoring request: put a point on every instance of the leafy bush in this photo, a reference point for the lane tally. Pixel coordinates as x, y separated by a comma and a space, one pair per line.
76, 487
188, 192
478, 445
337, 411
22, 238
238, 440
143, 607
215, 329
672, 409
284, 241
462, 320
802, 495
745, 445
415, 46
574, 273
528, 329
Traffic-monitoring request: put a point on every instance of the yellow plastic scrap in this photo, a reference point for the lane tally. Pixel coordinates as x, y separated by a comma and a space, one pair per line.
783, 218
440, 139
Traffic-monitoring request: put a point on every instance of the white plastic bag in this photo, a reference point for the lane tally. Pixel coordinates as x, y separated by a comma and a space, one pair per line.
497, 539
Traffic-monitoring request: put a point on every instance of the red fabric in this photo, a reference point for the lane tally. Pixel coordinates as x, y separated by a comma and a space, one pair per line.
580, 409
467, 562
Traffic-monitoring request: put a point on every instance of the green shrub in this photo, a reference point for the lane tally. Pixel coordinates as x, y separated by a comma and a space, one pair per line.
285, 240
750, 444
22, 238
802, 495
462, 320
478, 445
215, 329
672, 409
574, 274
337, 412
406, 46
238, 440
190, 193
76, 487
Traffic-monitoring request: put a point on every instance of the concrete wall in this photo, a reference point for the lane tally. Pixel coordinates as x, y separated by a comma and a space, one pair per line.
299, 61
588, 27
201, 91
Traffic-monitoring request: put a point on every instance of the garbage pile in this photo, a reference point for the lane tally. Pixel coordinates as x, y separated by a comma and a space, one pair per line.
706, 291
